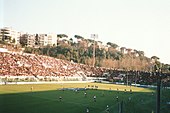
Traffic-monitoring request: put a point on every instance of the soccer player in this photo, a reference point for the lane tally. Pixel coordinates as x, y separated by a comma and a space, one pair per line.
60, 98
117, 98
117, 90
142, 101
85, 94
102, 94
94, 98
87, 110
107, 108
129, 98
31, 88
110, 89
152, 93
97, 87
130, 91
125, 91
76, 90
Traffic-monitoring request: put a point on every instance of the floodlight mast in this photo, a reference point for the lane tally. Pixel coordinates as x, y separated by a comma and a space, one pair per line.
158, 91
94, 36
157, 70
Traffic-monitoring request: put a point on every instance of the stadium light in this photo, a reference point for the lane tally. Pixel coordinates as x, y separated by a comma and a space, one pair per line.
158, 74
157, 71
127, 73
94, 36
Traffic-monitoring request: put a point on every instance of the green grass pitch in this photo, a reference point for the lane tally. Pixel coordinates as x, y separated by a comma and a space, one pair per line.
45, 99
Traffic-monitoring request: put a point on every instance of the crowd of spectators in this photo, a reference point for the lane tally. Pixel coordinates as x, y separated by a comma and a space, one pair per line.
140, 77
16, 64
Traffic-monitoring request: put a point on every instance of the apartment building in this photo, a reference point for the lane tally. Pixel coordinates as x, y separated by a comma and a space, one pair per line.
52, 39
42, 39
27, 40
46, 39
10, 35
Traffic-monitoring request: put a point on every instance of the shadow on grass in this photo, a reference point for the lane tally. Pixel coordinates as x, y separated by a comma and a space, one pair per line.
76, 102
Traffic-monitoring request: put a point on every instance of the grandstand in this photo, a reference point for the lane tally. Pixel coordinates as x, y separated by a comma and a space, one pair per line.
32, 69
17, 67
36, 67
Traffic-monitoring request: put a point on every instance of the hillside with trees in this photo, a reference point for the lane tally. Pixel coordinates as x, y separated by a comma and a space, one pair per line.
109, 56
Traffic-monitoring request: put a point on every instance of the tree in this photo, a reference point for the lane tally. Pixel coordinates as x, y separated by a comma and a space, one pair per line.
141, 53
129, 50
62, 35
71, 41
156, 63
13, 40
122, 49
82, 52
37, 39
78, 37
28, 50
24, 40
155, 58
113, 45
136, 52
118, 55
166, 68
90, 40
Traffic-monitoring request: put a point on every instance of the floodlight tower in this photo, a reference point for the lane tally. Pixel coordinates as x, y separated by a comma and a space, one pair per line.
157, 71
94, 36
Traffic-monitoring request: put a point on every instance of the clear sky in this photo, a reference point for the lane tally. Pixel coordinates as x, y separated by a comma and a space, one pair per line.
137, 24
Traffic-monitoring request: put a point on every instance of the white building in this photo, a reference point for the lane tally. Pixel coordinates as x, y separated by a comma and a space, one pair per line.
31, 41
27, 40
52, 39
10, 35
43, 39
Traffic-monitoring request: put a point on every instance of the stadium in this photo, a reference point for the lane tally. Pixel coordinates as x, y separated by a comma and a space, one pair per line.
84, 56
34, 83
